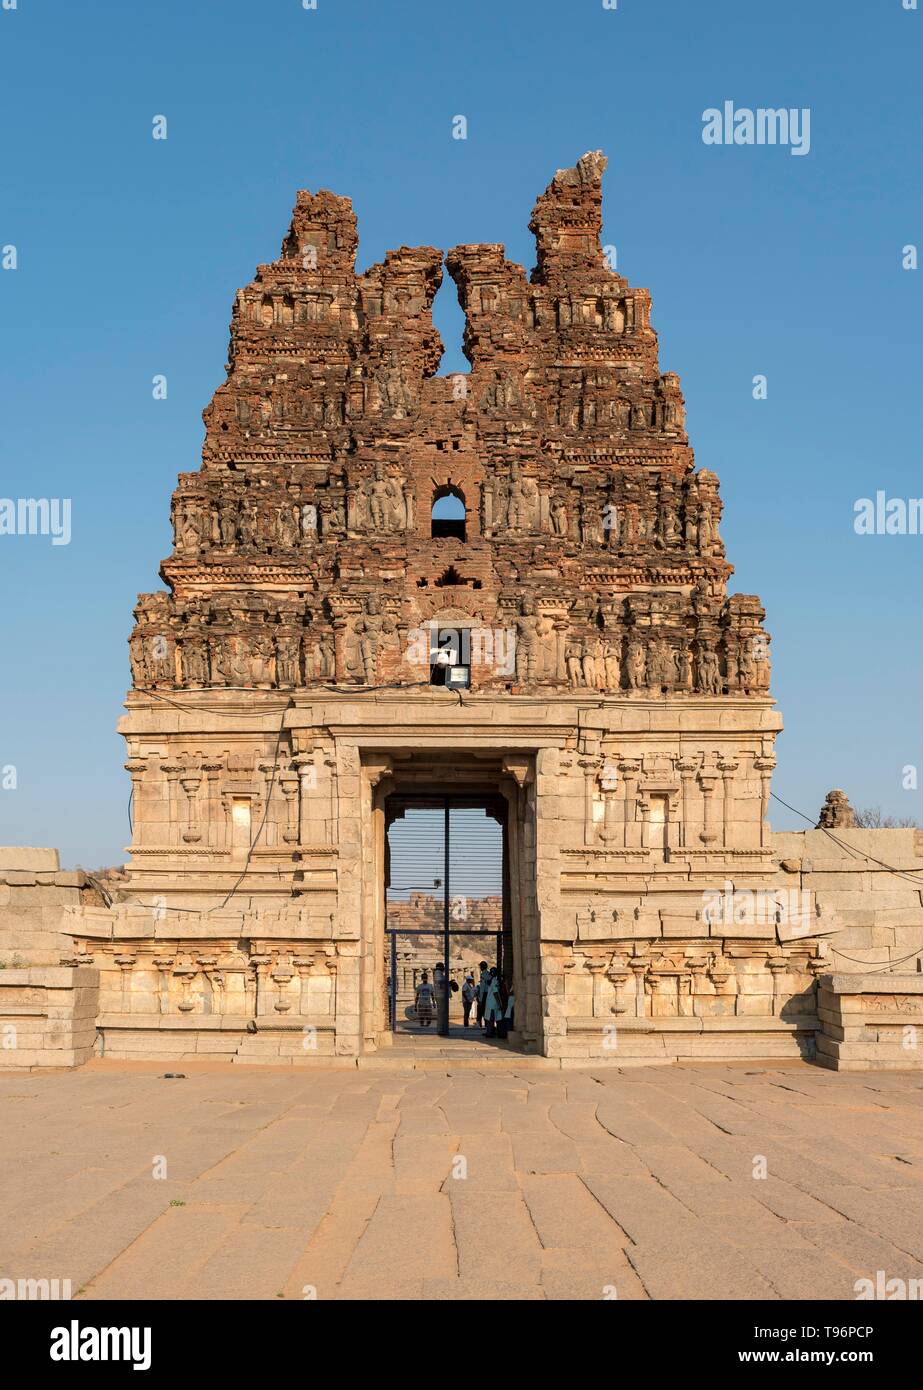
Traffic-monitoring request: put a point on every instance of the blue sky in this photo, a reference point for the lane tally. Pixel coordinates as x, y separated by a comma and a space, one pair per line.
129, 252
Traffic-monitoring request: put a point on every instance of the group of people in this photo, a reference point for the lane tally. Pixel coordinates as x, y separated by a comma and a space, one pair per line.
491, 996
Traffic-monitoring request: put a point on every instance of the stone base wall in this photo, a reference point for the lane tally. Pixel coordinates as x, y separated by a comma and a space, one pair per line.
48, 1016
870, 1022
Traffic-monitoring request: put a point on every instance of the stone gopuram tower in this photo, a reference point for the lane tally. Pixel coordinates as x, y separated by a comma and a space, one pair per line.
289, 679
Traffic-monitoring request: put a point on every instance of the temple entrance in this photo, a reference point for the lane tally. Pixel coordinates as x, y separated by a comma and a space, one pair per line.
447, 909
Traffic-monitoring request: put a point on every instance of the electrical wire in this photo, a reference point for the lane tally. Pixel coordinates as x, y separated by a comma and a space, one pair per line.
850, 849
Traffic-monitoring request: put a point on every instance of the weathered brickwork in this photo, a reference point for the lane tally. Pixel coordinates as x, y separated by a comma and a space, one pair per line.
303, 551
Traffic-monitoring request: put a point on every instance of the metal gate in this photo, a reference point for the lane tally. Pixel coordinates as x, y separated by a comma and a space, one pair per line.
446, 899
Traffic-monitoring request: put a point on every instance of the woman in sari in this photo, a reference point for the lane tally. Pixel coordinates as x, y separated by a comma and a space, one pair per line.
493, 1008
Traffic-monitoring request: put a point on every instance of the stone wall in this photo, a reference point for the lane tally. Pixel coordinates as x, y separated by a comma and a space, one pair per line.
34, 892
865, 892
870, 1021
48, 1016
653, 971
48, 1008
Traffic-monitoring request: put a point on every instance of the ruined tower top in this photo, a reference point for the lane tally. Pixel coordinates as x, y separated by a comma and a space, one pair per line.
315, 542
567, 220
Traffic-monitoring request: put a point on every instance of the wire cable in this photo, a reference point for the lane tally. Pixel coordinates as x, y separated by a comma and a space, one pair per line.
850, 849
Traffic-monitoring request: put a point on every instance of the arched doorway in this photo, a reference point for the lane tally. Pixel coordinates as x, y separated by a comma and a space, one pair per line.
448, 517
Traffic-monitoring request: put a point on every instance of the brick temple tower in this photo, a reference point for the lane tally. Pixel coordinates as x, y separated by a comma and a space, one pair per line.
508, 582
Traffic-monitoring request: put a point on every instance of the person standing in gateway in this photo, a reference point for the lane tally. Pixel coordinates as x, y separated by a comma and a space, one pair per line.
494, 1007
425, 1001
469, 997
483, 986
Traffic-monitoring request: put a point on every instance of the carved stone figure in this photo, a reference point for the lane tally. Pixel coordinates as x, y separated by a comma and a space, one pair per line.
613, 666
288, 530
593, 663
381, 504
747, 671
591, 519
227, 520
636, 662
573, 658
394, 392
248, 522
621, 411
708, 672
528, 644
194, 659
523, 502
234, 661
667, 519
288, 664
189, 524
661, 669
152, 658
558, 516
370, 634
325, 659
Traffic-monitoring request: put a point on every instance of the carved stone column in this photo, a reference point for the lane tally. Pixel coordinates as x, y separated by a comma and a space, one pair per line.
618, 975
764, 765
777, 966
260, 967
727, 767
190, 785
174, 771
137, 768
630, 768
644, 806
696, 966
686, 767
164, 967
638, 967
596, 965
608, 783
306, 772
289, 783
213, 822
125, 964
708, 781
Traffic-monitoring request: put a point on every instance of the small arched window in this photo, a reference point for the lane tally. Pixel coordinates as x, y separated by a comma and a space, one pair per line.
448, 515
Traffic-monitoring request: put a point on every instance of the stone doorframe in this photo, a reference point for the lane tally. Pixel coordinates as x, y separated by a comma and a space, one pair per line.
513, 776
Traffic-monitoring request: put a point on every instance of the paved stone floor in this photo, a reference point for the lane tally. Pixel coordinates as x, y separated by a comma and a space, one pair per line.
382, 1184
